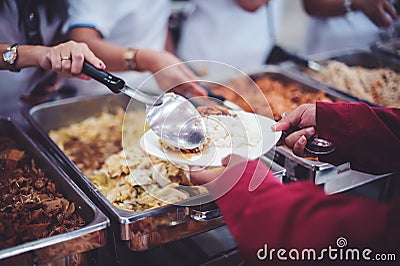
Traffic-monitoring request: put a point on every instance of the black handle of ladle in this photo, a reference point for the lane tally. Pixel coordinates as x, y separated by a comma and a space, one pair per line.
278, 54
318, 146
211, 94
114, 83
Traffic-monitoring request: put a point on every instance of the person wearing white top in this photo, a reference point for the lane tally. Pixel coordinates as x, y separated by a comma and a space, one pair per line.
129, 36
240, 33
340, 24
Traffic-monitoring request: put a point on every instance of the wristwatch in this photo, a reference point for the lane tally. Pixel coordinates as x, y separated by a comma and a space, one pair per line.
10, 56
130, 58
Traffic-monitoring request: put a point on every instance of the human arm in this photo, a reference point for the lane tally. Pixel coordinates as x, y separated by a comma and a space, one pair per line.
380, 12
251, 5
50, 57
297, 215
146, 60
368, 137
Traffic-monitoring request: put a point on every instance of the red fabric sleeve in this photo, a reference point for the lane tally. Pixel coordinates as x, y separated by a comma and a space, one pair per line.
368, 138
300, 215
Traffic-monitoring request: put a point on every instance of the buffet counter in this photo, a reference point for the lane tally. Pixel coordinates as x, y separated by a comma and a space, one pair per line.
77, 142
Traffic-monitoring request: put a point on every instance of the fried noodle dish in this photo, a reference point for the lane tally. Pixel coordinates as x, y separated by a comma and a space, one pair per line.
381, 85
266, 95
128, 178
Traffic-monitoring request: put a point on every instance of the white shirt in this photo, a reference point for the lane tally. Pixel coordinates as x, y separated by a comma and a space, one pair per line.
221, 30
353, 30
136, 24
13, 85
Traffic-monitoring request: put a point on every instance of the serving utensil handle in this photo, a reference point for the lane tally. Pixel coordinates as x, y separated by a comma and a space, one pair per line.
211, 94
278, 55
112, 82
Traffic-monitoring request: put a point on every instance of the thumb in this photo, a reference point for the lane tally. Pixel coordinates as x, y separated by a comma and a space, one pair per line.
281, 126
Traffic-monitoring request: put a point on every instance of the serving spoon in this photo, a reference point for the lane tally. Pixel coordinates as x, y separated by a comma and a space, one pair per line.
172, 117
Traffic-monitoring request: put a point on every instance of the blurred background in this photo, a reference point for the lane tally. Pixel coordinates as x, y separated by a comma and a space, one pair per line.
291, 32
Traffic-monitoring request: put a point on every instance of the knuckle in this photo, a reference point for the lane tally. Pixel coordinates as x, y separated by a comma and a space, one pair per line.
288, 143
56, 67
74, 71
63, 45
83, 45
71, 43
52, 53
67, 69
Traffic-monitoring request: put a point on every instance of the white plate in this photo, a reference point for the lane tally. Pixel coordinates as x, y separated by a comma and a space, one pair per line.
251, 137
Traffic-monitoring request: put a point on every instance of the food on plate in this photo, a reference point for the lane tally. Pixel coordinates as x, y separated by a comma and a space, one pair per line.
214, 110
232, 130
226, 130
242, 133
204, 111
128, 178
184, 151
31, 207
269, 95
381, 86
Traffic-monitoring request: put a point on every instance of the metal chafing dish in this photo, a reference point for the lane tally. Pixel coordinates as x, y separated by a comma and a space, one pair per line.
137, 231
350, 57
72, 248
354, 57
389, 48
297, 168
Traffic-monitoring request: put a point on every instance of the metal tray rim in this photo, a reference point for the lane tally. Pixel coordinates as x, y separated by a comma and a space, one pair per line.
292, 67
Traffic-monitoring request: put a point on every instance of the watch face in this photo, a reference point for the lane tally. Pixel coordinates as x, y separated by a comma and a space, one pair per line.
8, 55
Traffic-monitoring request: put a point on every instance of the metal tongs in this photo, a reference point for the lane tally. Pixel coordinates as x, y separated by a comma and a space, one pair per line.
172, 117
278, 55
317, 146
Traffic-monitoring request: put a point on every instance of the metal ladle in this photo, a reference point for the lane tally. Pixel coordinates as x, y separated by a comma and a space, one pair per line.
317, 146
172, 117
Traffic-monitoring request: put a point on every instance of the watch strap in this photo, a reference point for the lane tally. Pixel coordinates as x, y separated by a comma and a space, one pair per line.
11, 64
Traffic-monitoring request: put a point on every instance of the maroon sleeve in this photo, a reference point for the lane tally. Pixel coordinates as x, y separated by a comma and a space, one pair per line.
300, 216
368, 138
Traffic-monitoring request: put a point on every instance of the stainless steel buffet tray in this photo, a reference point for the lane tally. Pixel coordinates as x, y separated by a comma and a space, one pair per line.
350, 57
70, 248
139, 230
299, 168
282, 75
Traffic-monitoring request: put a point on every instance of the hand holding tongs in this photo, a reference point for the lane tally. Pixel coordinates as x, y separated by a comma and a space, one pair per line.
316, 146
